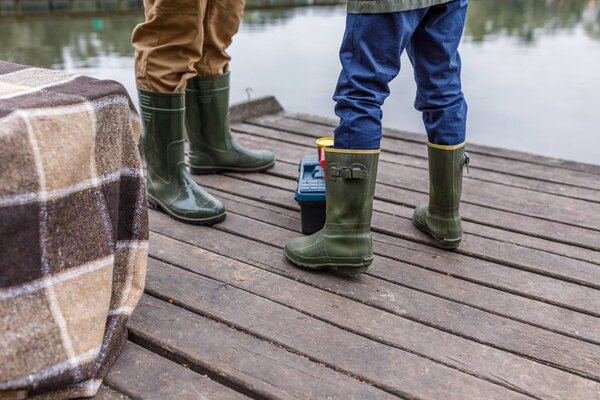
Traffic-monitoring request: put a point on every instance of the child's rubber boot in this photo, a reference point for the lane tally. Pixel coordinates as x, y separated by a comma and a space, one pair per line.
441, 218
212, 148
345, 242
170, 186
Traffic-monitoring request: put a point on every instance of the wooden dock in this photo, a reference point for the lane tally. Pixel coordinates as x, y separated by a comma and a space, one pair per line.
513, 314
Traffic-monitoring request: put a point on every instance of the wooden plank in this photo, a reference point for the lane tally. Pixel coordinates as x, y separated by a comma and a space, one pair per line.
106, 393
287, 170
486, 362
250, 365
393, 370
437, 282
141, 374
419, 160
508, 166
485, 236
578, 357
494, 276
254, 108
532, 226
488, 194
530, 260
499, 152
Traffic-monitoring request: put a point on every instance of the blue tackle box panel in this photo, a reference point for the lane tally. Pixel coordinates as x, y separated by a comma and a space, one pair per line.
310, 194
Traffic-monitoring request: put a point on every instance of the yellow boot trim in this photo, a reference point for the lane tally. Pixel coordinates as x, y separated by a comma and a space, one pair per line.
444, 147
352, 151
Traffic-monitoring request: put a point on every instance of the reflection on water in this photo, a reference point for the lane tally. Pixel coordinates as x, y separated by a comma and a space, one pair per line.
525, 18
530, 65
46, 41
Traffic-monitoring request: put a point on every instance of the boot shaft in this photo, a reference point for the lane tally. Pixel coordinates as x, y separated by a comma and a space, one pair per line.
207, 117
162, 119
446, 165
351, 177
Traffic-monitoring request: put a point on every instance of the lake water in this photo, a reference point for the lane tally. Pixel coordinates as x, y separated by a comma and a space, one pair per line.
531, 68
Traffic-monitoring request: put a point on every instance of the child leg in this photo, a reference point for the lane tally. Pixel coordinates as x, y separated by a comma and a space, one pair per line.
370, 57
433, 51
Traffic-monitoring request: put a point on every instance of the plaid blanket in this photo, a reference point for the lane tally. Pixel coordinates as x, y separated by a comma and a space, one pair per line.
73, 230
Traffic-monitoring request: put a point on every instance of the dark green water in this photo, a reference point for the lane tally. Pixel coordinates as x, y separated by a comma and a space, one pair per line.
531, 68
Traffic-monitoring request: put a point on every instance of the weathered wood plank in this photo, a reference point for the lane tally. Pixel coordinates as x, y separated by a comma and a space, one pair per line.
495, 276
471, 357
250, 365
487, 237
484, 193
496, 152
254, 108
141, 374
393, 370
106, 393
576, 356
530, 260
419, 160
289, 171
498, 164
543, 228
431, 281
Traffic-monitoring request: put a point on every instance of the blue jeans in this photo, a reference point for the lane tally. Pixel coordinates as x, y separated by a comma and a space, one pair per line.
370, 56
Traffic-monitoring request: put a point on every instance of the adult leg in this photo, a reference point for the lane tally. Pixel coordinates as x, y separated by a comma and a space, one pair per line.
212, 147
433, 50
168, 45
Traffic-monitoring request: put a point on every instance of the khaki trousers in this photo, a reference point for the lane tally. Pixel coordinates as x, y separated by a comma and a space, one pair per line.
181, 39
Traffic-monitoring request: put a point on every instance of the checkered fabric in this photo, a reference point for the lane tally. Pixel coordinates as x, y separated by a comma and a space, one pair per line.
73, 230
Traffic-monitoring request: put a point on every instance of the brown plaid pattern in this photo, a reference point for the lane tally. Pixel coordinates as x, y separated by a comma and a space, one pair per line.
73, 230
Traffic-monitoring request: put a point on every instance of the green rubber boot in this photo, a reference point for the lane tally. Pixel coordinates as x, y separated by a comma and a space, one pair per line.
441, 218
345, 242
212, 148
170, 187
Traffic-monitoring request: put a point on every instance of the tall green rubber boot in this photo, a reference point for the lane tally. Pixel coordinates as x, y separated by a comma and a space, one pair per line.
441, 218
345, 242
170, 187
212, 148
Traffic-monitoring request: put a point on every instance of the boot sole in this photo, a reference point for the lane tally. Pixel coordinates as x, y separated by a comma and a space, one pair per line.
441, 243
343, 268
216, 170
156, 205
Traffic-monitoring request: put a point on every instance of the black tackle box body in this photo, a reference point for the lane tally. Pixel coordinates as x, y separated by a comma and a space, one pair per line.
310, 194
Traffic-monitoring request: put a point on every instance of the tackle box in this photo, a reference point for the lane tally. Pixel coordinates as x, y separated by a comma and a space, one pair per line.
310, 194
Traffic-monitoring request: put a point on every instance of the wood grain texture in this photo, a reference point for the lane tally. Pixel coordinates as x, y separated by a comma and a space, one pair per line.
417, 158
514, 313
573, 355
535, 227
488, 193
254, 108
380, 365
479, 360
500, 153
443, 282
141, 374
252, 366
526, 259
